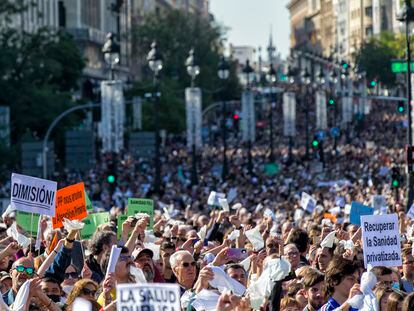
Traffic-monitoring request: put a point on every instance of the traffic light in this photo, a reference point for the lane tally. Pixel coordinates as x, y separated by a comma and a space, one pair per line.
331, 101
401, 107
373, 84
236, 117
236, 120
315, 142
395, 178
344, 65
111, 173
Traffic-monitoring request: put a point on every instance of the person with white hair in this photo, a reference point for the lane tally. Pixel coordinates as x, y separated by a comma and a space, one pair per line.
184, 267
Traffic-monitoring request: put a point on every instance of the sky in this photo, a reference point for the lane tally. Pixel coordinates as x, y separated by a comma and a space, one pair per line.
250, 22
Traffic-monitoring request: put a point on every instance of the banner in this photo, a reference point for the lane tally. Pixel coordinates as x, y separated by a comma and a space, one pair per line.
33, 195
153, 296
381, 238
113, 116
28, 222
92, 221
142, 206
307, 202
289, 114
193, 106
321, 118
70, 204
248, 116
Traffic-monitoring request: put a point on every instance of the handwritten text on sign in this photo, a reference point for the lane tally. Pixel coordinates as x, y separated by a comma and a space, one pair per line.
381, 239
70, 204
132, 297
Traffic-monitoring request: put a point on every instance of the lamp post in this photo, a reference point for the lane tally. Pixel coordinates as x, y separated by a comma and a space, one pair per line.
249, 73
321, 82
193, 69
306, 82
271, 79
333, 79
406, 16
111, 51
155, 63
223, 74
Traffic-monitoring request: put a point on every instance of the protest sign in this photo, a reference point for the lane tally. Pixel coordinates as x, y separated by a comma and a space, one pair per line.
28, 222
411, 212
213, 198
154, 296
357, 210
70, 204
145, 206
92, 221
120, 220
381, 238
33, 195
89, 206
378, 201
307, 202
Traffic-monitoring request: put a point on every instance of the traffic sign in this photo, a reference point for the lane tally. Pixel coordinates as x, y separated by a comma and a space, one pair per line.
399, 66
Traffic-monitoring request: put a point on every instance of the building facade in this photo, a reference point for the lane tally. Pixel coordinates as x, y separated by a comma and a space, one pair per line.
338, 28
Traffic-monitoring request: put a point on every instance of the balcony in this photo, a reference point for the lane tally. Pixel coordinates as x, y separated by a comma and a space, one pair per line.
87, 34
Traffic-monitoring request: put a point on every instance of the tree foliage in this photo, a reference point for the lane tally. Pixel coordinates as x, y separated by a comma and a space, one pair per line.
375, 57
176, 33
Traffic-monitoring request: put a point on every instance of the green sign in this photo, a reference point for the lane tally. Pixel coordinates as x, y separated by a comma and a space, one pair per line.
120, 220
142, 206
92, 221
271, 169
89, 206
399, 66
27, 223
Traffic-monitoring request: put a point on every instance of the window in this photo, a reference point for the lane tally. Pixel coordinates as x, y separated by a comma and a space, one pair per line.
368, 11
62, 14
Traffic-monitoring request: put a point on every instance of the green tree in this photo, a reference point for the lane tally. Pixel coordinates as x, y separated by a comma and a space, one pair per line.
176, 33
39, 72
375, 57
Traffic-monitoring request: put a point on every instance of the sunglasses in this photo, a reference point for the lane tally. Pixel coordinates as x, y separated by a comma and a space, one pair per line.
29, 271
125, 257
187, 264
73, 275
88, 292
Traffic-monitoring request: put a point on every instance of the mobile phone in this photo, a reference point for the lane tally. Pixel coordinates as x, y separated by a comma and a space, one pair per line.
237, 254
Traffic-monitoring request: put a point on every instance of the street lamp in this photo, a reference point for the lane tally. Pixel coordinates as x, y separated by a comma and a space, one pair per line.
111, 51
193, 69
406, 16
333, 79
223, 74
271, 79
249, 74
155, 63
306, 82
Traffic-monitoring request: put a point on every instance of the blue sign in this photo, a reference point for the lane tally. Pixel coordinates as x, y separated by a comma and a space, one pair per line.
335, 132
357, 210
320, 135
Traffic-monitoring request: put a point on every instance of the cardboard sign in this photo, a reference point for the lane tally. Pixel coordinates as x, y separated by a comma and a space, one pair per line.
148, 296
381, 238
33, 195
307, 202
357, 210
89, 206
92, 221
27, 223
142, 206
70, 204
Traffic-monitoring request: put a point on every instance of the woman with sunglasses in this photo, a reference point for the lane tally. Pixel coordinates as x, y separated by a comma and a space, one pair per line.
83, 289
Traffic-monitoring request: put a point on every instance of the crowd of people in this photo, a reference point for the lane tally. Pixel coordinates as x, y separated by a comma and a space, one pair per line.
269, 252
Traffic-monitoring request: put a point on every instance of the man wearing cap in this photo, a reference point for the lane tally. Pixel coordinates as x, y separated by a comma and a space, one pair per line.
5, 282
143, 260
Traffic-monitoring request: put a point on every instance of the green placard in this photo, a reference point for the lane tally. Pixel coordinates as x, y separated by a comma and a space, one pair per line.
89, 206
271, 169
24, 220
120, 221
92, 222
142, 206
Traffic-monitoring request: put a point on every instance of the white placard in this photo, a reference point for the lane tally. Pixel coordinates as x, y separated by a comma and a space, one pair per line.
113, 259
411, 212
193, 103
307, 202
321, 117
381, 238
154, 296
33, 195
378, 201
248, 119
213, 198
289, 114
